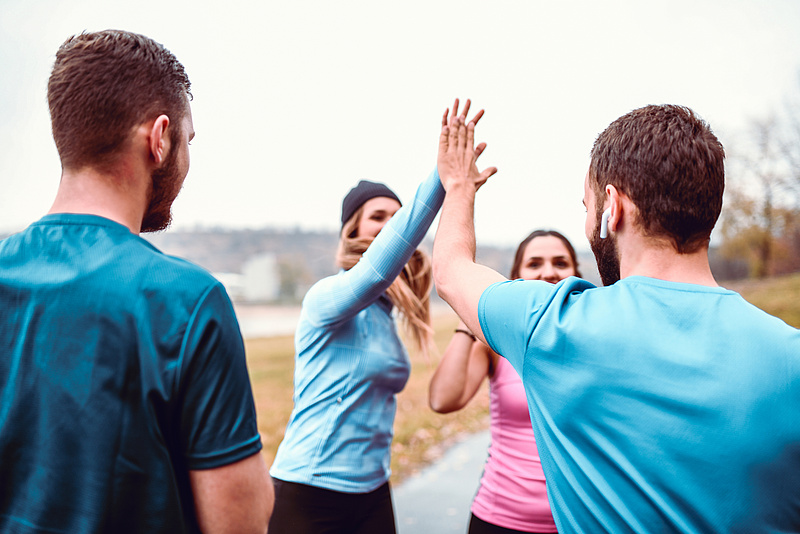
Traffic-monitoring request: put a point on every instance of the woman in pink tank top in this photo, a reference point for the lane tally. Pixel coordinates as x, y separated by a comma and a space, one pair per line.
512, 496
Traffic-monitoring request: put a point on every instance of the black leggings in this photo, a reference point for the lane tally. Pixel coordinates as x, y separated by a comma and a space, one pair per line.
304, 509
479, 526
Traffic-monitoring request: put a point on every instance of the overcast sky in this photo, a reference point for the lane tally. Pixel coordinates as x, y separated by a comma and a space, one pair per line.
294, 102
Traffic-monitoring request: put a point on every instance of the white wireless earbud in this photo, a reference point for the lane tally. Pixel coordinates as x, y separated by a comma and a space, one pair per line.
604, 223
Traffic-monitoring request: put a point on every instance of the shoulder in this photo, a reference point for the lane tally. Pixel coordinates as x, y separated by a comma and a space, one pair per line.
535, 292
171, 293
324, 288
171, 274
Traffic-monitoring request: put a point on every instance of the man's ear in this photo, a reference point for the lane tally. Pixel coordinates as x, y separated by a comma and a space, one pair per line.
614, 204
159, 140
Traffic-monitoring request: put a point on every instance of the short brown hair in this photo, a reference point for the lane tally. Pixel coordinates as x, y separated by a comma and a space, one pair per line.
103, 84
670, 164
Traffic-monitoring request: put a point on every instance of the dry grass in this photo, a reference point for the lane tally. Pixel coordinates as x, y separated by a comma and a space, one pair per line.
271, 364
779, 296
420, 434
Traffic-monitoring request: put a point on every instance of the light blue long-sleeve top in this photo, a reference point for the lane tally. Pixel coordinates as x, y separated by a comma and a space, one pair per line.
350, 363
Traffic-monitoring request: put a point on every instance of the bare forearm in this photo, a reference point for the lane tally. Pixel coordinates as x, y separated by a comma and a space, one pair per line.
459, 280
454, 245
447, 391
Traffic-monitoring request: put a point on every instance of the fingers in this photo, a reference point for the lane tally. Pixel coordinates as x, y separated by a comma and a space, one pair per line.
470, 141
455, 111
466, 110
483, 176
453, 130
463, 135
443, 140
487, 173
477, 117
457, 139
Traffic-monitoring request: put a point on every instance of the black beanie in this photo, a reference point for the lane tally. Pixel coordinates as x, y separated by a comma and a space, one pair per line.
362, 192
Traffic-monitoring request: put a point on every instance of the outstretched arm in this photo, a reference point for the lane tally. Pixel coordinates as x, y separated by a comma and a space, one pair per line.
461, 371
339, 298
459, 280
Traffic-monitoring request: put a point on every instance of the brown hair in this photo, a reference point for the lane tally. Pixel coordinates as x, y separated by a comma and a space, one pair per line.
541, 233
104, 84
411, 290
670, 164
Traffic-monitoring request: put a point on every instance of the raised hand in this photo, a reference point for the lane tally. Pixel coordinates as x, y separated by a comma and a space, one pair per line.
457, 154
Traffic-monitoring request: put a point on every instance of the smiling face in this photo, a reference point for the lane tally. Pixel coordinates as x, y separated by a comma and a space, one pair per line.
376, 212
546, 258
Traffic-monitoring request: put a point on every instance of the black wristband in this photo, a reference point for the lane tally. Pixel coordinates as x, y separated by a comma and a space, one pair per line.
470, 334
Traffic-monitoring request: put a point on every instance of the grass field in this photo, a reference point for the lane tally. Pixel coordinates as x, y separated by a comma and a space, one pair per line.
779, 296
421, 435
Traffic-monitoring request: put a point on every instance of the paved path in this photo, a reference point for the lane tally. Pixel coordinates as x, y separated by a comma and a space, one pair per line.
437, 500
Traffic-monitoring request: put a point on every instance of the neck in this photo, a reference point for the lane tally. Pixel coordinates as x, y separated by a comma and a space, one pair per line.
658, 259
117, 195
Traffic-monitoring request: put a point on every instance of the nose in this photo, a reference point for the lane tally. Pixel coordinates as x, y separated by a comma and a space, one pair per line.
549, 273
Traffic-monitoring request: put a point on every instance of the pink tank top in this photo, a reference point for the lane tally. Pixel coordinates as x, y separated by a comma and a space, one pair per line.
512, 493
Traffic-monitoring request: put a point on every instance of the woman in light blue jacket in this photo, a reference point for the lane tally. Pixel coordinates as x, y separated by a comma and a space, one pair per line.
331, 471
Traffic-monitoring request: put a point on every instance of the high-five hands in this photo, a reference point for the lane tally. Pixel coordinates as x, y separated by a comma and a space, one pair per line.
457, 154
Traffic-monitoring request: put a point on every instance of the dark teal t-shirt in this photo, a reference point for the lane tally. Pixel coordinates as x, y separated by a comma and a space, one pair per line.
121, 369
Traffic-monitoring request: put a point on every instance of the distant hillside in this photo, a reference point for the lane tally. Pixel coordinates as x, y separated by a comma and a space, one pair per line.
306, 256
303, 255
226, 250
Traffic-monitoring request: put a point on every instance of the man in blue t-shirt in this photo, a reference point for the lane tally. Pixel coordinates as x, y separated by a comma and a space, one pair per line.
125, 401
661, 402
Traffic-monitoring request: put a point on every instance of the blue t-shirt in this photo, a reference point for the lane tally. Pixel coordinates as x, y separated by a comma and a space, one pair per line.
121, 369
657, 406
350, 363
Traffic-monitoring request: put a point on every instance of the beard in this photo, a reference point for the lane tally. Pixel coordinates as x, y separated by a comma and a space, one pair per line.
606, 254
166, 183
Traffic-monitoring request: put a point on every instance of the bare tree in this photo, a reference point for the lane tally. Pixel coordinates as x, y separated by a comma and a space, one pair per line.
790, 142
760, 217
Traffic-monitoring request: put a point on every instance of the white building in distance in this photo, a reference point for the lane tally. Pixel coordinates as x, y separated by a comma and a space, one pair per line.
261, 280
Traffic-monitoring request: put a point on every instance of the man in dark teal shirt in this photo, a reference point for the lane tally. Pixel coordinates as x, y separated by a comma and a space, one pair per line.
125, 402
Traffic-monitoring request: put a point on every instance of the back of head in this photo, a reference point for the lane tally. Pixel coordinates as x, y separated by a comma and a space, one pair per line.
670, 164
104, 84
